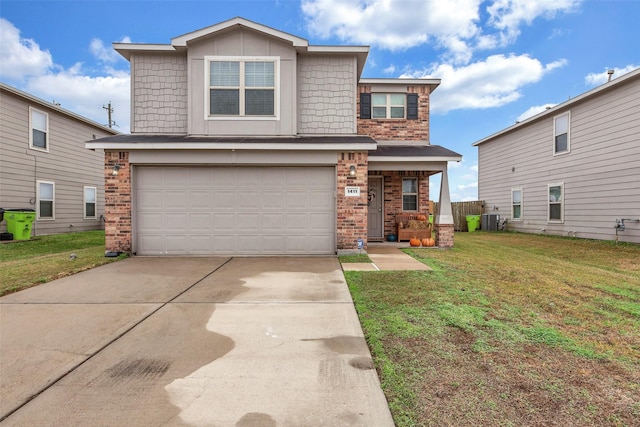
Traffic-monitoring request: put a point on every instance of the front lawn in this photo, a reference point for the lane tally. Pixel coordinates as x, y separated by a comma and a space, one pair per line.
44, 258
508, 329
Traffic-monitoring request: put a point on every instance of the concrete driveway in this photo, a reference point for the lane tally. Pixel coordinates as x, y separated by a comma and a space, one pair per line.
189, 341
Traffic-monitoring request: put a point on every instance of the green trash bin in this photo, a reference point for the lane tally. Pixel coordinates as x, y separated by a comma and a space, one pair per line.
431, 219
473, 222
19, 222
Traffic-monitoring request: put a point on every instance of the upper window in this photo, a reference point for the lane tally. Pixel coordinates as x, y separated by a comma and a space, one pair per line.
516, 204
39, 130
409, 194
561, 141
242, 87
46, 200
90, 198
388, 105
556, 202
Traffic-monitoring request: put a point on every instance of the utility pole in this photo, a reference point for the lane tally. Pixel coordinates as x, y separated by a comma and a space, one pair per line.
109, 111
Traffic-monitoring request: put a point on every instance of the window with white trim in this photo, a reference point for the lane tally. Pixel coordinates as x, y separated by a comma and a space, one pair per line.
90, 202
242, 87
561, 133
388, 105
38, 130
410, 194
516, 204
556, 202
46, 200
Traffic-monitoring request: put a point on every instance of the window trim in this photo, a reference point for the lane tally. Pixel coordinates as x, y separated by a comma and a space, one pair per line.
416, 194
46, 131
561, 203
84, 202
513, 204
39, 199
242, 59
388, 106
555, 118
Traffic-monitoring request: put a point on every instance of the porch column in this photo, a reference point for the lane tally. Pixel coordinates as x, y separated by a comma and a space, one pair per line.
443, 222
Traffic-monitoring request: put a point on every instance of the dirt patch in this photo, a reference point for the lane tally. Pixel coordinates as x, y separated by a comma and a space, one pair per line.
535, 385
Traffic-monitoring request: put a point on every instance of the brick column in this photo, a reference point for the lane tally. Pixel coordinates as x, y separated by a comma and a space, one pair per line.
444, 235
117, 195
351, 212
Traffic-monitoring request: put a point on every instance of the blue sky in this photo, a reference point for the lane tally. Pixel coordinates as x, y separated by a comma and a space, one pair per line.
500, 60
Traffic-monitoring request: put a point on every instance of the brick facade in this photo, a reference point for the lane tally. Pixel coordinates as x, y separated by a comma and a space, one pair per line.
117, 196
351, 215
397, 129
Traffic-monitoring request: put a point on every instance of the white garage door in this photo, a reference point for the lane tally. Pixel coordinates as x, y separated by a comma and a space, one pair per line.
234, 210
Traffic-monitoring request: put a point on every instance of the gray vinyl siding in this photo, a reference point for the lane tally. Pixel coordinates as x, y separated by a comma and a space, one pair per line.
68, 164
326, 95
159, 94
601, 173
241, 42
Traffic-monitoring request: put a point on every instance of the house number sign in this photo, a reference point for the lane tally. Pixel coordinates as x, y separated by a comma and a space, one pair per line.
352, 191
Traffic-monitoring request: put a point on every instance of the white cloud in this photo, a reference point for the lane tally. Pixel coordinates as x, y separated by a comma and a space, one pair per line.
395, 24
20, 57
390, 69
106, 53
508, 16
471, 185
458, 27
87, 95
595, 79
493, 82
532, 111
25, 65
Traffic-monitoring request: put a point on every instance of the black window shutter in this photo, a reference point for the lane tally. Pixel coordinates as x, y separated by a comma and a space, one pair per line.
412, 106
365, 105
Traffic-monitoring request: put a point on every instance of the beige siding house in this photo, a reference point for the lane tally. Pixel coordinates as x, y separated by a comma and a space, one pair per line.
44, 165
573, 170
248, 140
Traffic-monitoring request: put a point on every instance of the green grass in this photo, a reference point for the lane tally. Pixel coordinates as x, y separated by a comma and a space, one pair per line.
45, 258
354, 258
508, 329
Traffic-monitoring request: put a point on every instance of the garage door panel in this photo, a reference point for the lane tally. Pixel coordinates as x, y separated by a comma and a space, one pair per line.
234, 210
200, 200
150, 200
224, 200
175, 200
199, 223
224, 223
249, 222
249, 200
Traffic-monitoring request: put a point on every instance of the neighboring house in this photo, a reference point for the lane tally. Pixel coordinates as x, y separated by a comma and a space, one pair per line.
248, 140
572, 170
44, 165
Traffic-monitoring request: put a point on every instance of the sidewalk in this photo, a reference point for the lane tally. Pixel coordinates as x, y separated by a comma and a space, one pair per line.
389, 258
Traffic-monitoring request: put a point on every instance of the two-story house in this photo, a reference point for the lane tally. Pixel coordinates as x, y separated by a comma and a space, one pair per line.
572, 170
248, 140
45, 167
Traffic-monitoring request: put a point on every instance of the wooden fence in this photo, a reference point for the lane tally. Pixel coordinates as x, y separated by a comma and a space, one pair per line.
461, 210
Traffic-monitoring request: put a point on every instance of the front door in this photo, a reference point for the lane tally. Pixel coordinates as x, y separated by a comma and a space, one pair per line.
375, 227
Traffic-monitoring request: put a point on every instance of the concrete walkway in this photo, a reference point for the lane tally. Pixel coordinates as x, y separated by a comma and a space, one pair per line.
386, 257
189, 341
